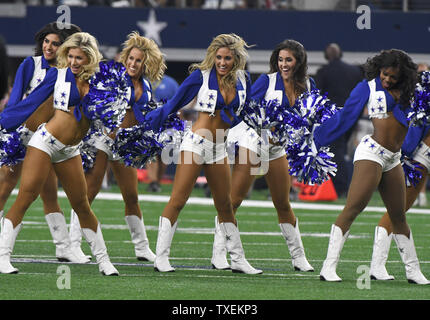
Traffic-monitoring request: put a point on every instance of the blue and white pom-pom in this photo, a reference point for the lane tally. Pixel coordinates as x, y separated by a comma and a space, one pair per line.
420, 104
88, 150
138, 145
412, 170
271, 117
12, 149
108, 96
307, 163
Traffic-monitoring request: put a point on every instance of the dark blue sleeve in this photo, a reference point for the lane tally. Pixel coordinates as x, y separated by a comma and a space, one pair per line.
333, 128
413, 138
259, 88
186, 92
22, 80
17, 113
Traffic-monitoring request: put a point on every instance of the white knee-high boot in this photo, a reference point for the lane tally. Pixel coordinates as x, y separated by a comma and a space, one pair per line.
139, 238
7, 241
336, 242
295, 246
235, 249
381, 247
60, 236
164, 241
98, 249
219, 251
75, 234
409, 257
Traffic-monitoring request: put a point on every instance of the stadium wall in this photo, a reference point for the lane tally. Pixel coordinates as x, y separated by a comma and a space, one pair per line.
183, 34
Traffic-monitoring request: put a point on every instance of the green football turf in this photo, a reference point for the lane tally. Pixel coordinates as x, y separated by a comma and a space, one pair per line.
40, 274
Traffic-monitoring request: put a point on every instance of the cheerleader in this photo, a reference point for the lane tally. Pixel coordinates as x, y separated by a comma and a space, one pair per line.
144, 63
286, 80
391, 77
56, 144
415, 147
218, 87
30, 74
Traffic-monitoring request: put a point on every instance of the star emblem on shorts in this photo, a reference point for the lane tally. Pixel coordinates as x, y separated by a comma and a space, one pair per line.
52, 141
381, 108
201, 104
366, 140
63, 94
381, 152
379, 99
39, 80
227, 237
372, 145
211, 96
209, 105
55, 228
428, 154
43, 133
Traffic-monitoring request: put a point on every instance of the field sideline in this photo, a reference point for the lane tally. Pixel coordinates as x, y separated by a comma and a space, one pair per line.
191, 251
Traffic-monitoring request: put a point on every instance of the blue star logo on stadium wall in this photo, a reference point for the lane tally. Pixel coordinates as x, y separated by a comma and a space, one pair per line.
152, 27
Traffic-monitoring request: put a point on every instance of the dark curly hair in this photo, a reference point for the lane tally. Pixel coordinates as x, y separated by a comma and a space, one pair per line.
396, 59
301, 69
53, 28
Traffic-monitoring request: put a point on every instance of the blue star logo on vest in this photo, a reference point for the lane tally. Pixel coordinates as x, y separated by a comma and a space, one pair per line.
152, 27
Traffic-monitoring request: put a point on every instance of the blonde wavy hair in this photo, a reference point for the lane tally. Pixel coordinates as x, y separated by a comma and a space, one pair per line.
238, 47
153, 66
88, 44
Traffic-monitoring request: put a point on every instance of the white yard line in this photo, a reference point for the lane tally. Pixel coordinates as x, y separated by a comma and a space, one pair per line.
245, 203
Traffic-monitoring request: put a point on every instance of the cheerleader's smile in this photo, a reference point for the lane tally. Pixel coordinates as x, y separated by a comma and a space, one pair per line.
286, 63
134, 63
50, 45
76, 59
223, 61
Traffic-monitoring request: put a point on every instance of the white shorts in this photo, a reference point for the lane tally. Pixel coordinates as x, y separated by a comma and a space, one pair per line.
46, 142
104, 143
208, 151
369, 149
422, 155
246, 137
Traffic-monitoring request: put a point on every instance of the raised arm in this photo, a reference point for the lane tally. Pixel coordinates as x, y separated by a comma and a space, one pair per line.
331, 129
186, 92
